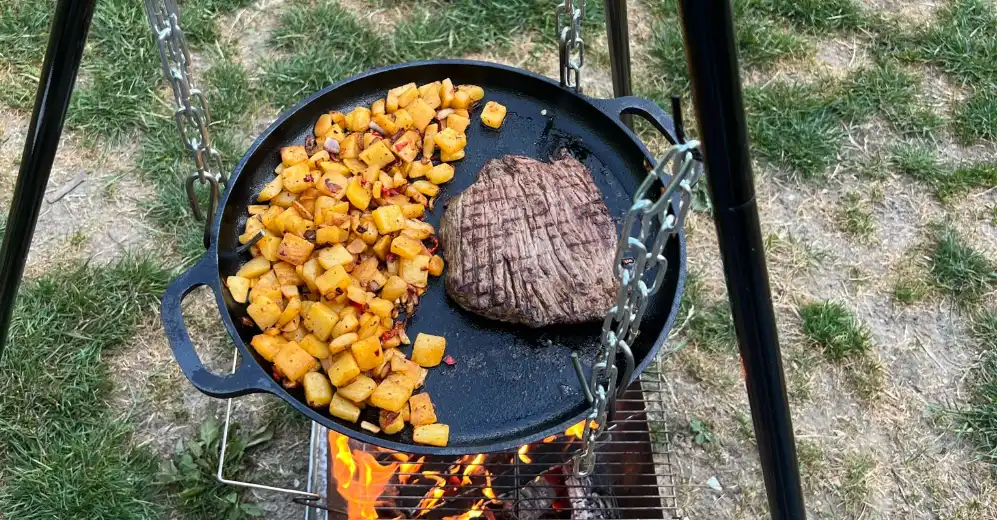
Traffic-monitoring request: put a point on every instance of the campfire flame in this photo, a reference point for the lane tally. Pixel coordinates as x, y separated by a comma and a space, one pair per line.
360, 479
578, 430
522, 454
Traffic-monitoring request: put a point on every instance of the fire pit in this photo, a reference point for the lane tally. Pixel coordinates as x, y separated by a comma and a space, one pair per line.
633, 477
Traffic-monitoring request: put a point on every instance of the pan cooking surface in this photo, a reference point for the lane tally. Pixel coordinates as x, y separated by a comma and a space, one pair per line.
508, 385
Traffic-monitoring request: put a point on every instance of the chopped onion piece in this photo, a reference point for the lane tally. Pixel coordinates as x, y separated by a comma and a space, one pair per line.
377, 128
331, 145
442, 114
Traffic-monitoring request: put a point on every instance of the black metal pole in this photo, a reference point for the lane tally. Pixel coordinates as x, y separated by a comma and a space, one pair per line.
716, 89
70, 24
618, 35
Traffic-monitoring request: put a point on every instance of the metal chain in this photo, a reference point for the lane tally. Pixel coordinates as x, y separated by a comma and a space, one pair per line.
191, 115
571, 48
640, 268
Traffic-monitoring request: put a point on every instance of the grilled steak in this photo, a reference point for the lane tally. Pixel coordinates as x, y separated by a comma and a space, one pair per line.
531, 243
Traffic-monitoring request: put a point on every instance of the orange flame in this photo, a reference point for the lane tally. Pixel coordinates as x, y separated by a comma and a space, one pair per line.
360, 479
552, 438
578, 430
408, 468
488, 491
522, 454
471, 468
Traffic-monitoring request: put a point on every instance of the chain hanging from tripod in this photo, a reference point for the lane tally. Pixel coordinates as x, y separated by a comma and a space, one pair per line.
571, 48
640, 268
191, 114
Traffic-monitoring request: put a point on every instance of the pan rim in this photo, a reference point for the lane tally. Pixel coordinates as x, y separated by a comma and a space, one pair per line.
359, 434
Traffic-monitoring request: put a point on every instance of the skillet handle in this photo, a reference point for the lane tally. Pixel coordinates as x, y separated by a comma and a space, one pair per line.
649, 110
247, 378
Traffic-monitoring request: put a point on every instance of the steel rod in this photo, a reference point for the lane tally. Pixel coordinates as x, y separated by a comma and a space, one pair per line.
70, 24
618, 36
716, 89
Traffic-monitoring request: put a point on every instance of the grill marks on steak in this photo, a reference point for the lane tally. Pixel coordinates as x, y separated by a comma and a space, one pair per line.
531, 243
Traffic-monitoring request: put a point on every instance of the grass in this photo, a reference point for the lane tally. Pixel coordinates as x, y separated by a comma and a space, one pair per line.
856, 217
962, 42
65, 453
818, 15
976, 118
23, 34
977, 419
965, 274
909, 289
709, 325
891, 91
923, 164
835, 330
855, 486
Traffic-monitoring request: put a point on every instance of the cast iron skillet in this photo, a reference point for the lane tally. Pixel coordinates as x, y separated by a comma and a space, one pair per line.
510, 386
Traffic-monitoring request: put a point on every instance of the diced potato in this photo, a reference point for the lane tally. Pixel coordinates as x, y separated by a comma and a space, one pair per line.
268, 346
461, 99
294, 362
440, 173
358, 119
294, 249
406, 97
382, 247
475, 92
428, 350
378, 154
388, 219
297, 178
422, 114
428, 144
415, 271
343, 369
430, 93
420, 169
406, 247
493, 114
426, 188
408, 146
387, 123
331, 235
421, 409
357, 294
269, 245
333, 282
358, 195
413, 210
449, 140
271, 190
377, 107
254, 268
238, 287
346, 325
344, 409
390, 422
286, 274
393, 289
436, 265
458, 122
318, 391
392, 394
270, 216
349, 148
317, 157
284, 199
323, 125
264, 312
359, 389
341, 343
403, 120
291, 155
314, 346
320, 319
432, 434
407, 368
447, 92
381, 307
335, 255
309, 272
451, 157
291, 311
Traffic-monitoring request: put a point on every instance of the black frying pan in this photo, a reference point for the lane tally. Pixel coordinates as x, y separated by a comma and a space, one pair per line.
510, 386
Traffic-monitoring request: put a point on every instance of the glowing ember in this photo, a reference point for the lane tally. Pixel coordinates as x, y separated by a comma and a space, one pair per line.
522, 454
360, 479
552, 438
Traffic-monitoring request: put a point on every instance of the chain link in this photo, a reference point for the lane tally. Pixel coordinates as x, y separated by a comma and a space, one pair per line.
640, 268
571, 48
191, 115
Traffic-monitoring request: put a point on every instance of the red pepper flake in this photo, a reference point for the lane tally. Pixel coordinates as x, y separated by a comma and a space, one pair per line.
450, 361
400, 144
388, 335
388, 192
359, 306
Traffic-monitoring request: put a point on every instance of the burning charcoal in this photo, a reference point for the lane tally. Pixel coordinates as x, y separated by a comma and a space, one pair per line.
587, 501
536, 499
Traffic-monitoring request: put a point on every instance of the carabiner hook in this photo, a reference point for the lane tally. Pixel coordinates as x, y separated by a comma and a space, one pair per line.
195, 207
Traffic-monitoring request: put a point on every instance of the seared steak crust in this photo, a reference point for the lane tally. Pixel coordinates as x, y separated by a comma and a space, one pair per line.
532, 243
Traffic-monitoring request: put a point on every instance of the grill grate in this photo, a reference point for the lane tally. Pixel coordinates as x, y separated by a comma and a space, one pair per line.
634, 477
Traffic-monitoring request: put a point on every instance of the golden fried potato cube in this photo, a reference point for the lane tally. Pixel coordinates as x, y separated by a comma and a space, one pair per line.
342, 369
432, 434
359, 389
394, 288
493, 114
268, 346
422, 114
403, 120
449, 140
428, 144
264, 312
461, 99
420, 169
349, 148
344, 408
335, 255
451, 157
428, 350
381, 307
392, 394
254, 268
314, 346
387, 123
458, 122
291, 155
409, 369
284, 199
346, 325
294, 362
309, 272
388, 219
323, 124
415, 271
430, 93
271, 190
406, 247
421, 409
294, 249
358, 119
320, 319
407, 96
407, 146
270, 216
341, 343
358, 195
333, 282
413, 210
473, 91
357, 294
331, 235
238, 287
286, 274
436, 265
318, 391
440, 173
317, 157
298, 178
447, 92
377, 107
267, 285
291, 310
377, 154
269, 245
426, 188
390, 422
